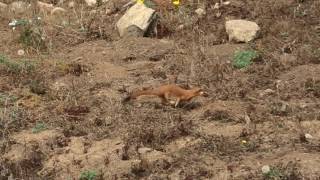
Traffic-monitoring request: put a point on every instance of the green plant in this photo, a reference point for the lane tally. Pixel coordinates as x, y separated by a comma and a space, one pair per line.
39, 127
274, 173
243, 59
6, 98
88, 175
32, 33
149, 4
21, 66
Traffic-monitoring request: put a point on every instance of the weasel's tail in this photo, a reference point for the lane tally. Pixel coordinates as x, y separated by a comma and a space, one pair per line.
139, 93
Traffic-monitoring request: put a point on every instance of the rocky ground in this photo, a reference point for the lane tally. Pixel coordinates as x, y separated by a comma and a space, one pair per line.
63, 77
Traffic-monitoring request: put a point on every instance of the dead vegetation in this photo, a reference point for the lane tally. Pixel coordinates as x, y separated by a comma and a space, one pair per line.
76, 70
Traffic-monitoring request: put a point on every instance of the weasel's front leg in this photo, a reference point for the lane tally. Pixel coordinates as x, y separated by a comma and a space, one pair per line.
177, 102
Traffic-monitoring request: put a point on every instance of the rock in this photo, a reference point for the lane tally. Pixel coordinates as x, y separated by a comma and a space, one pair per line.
71, 4
180, 27
216, 6
144, 150
91, 2
155, 159
308, 136
19, 6
21, 52
135, 21
242, 30
226, 3
45, 7
58, 11
200, 12
267, 92
265, 169
3, 6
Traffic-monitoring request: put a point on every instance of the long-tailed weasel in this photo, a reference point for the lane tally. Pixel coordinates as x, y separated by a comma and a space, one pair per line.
165, 92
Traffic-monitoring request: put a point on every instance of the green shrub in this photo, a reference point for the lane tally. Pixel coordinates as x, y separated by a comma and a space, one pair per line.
243, 59
39, 127
88, 175
17, 67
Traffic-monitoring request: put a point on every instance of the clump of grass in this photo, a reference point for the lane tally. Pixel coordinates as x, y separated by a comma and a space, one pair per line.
23, 66
88, 175
39, 127
274, 173
243, 59
32, 34
6, 98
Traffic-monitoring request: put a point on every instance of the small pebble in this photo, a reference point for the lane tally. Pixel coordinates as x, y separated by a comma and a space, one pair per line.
265, 169
21, 52
308, 136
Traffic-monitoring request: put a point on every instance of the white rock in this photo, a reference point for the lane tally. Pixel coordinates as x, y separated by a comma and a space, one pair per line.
265, 169
226, 3
71, 4
144, 150
267, 92
19, 6
308, 136
3, 6
21, 52
91, 2
108, 11
45, 7
200, 12
216, 6
180, 27
242, 30
135, 21
58, 11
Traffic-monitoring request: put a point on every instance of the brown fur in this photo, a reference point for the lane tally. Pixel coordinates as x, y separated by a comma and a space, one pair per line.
165, 92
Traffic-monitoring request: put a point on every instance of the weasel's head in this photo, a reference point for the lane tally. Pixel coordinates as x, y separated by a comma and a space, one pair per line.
199, 92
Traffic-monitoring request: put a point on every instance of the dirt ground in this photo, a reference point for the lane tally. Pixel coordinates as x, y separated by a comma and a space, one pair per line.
61, 115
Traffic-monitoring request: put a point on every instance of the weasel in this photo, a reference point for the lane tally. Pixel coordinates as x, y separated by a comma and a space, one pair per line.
165, 92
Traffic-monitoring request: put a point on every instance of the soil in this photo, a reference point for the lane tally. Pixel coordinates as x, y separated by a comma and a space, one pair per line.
61, 110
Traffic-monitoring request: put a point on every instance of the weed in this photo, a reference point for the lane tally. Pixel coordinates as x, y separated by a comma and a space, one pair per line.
39, 127
149, 4
243, 59
274, 173
12, 67
6, 99
31, 34
37, 87
88, 175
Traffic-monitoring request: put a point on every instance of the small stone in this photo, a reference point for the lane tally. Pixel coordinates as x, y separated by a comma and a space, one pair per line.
91, 2
108, 11
201, 12
180, 27
45, 7
3, 6
71, 4
21, 52
19, 6
242, 30
226, 3
308, 136
269, 91
216, 6
144, 150
303, 105
58, 11
265, 169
